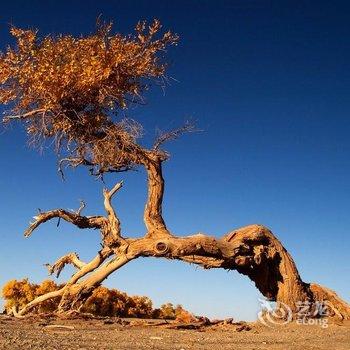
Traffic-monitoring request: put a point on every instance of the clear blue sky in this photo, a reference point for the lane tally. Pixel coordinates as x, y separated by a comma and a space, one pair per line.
268, 82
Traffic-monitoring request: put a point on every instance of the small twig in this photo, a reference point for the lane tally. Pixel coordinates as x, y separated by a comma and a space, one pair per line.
173, 134
23, 116
82, 206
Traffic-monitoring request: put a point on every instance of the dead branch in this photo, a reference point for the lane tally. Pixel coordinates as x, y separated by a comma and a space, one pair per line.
24, 115
74, 218
37, 301
92, 265
73, 162
71, 258
72, 283
81, 207
111, 214
58, 326
173, 134
98, 276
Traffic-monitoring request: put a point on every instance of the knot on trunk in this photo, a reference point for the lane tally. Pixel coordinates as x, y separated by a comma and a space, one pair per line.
161, 247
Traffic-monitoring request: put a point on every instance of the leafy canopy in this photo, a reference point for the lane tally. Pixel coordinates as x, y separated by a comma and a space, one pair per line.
71, 89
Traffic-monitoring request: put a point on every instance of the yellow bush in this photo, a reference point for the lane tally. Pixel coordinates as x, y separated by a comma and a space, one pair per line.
18, 293
48, 305
167, 311
140, 307
102, 302
183, 316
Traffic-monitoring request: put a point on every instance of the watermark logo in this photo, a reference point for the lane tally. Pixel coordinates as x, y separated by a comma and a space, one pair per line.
277, 313
272, 314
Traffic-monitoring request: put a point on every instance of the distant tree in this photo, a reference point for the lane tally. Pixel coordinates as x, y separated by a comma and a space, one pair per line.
183, 316
178, 309
178, 313
167, 311
70, 91
142, 307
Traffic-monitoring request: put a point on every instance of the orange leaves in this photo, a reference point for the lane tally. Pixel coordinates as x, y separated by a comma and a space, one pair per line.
111, 302
102, 302
25, 39
167, 311
81, 83
63, 68
183, 316
18, 293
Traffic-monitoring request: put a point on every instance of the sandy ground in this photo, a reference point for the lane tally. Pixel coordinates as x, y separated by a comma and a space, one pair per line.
102, 334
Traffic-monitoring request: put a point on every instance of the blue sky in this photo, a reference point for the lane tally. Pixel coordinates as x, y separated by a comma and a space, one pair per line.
268, 83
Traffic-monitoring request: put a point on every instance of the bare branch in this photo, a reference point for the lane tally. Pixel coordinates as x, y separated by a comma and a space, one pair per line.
24, 115
173, 134
82, 206
101, 256
95, 169
112, 216
117, 187
73, 162
71, 258
105, 270
74, 218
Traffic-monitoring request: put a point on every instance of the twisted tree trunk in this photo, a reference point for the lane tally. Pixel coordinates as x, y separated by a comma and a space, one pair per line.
153, 210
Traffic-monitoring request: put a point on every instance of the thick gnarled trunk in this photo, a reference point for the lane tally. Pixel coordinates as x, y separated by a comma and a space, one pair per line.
253, 251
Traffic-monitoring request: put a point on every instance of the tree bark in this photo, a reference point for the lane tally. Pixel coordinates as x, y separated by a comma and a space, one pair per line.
153, 210
252, 251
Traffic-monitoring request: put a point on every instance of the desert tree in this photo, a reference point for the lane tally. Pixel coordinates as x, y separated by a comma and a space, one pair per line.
71, 91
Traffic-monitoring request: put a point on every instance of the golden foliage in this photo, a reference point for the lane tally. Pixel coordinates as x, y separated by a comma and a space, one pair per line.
70, 88
102, 302
49, 305
111, 302
19, 293
167, 311
183, 316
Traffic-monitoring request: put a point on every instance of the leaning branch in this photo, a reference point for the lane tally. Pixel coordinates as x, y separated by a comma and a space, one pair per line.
74, 218
73, 162
36, 301
83, 271
101, 256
